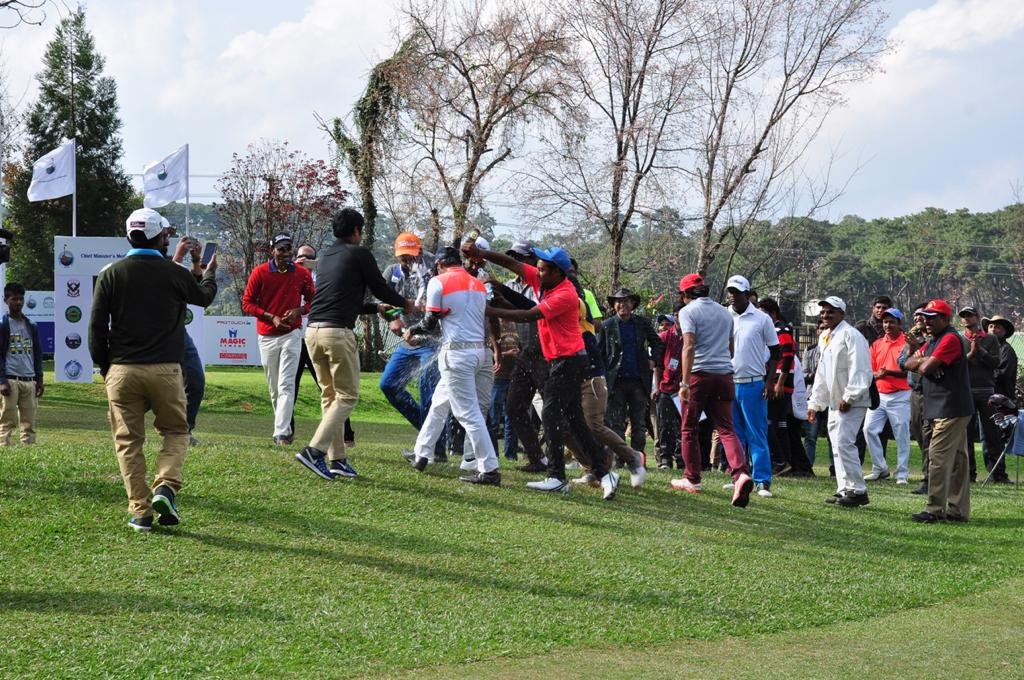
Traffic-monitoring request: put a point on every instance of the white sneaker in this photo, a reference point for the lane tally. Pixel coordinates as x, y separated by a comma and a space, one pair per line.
550, 484
468, 465
876, 475
729, 486
588, 479
901, 482
763, 491
637, 476
609, 483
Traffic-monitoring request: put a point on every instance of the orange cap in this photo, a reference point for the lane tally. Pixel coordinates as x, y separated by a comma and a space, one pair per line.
407, 243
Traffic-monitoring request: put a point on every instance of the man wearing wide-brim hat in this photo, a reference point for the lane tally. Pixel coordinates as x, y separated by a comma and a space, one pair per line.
631, 348
982, 362
1006, 372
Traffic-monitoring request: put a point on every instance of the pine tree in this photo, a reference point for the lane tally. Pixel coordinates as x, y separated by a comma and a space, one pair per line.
75, 100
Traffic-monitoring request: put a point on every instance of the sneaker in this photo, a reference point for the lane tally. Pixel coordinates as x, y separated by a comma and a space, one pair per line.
901, 482
741, 495
141, 523
468, 465
163, 503
852, 500
925, 517
409, 455
492, 478
609, 483
341, 468
313, 459
664, 466
281, 440
532, 467
588, 478
553, 484
637, 476
763, 490
685, 484
876, 475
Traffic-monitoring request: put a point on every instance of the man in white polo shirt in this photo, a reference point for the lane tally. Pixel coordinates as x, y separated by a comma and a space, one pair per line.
755, 354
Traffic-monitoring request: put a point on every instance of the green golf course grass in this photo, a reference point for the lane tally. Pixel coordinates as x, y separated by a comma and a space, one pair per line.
275, 572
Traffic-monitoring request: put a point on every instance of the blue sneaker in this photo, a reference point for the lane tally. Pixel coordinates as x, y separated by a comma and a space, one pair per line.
163, 503
141, 523
341, 468
314, 460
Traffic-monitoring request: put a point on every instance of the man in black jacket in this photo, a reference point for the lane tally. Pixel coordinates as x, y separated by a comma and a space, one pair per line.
137, 338
631, 349
982, 362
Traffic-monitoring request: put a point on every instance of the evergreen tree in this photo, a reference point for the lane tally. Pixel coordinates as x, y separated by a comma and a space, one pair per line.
75, 100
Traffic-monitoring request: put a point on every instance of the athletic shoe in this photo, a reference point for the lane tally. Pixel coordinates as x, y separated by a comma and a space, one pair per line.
852, 500
141, 523
468, 464
685, 484
901, 482
163, 504
549, 484
664, 466
588, 478
763, 490
409, 455
419, 463
876, 475
492, 478
925, 517
742, 488
609, 483
282, 440
313, 459
637, 476
341, 468
532, 467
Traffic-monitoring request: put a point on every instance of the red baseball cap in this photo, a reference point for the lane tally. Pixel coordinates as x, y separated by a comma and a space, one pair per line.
938, 307
690, 281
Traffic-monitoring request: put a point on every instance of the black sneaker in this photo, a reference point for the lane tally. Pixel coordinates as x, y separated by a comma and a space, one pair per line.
141, 523
492, 478
313, 460
925, 517
852, 500
163, 503
341, 468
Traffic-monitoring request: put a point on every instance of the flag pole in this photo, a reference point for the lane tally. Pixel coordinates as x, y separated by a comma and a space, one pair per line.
74, 193
186, 190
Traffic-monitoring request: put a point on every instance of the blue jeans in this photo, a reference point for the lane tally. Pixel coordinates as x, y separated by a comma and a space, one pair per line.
497, 418
404, 363
195, 381
750, 420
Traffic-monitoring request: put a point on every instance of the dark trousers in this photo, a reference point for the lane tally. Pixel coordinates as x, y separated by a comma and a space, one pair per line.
669, 444
920, 429
563, 411
991, 440
779, 411
195, 381
305, 363
629, 399
713, 394
528, 377
797, 454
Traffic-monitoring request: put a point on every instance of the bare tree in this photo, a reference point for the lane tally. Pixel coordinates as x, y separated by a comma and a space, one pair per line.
475, 72
770, 72
15, 12
628, 78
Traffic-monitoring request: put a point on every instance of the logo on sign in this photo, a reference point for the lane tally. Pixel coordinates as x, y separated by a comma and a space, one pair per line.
74, 288
66, 258
73, 314
48, 302
31, 303
232, 333
72, 369
73, 340
188, 316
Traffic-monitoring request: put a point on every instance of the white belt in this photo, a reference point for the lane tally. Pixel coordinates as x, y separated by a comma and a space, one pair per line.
744, 381
463, 345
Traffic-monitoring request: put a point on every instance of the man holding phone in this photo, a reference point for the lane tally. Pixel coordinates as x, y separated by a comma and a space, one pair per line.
278, 294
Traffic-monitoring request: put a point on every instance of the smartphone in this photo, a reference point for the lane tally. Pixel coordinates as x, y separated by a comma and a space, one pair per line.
208, 252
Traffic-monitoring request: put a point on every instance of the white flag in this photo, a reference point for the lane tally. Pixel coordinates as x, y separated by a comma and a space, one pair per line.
166, 181
53, 175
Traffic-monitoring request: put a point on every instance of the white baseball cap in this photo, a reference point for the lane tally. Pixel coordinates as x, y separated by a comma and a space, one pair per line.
146, 220
739, 283
833, 301
482, 243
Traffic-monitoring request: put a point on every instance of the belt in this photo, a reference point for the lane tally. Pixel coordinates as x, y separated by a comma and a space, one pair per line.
325, 324
20, 379
463, 345
744, 381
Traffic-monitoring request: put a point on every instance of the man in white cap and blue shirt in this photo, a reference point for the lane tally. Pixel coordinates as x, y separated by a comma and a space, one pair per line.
841, 385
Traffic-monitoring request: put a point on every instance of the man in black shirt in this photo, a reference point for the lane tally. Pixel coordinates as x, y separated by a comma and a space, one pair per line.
344, 273
137, 338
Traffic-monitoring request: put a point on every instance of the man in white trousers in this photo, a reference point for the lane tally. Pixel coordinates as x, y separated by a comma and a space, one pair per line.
841, 385
894, 398
278, 294
457, 301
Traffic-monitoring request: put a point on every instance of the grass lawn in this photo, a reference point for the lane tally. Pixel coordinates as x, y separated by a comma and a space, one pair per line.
275, 572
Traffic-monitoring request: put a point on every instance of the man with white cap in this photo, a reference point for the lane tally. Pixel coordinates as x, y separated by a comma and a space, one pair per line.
755, 354
137, 338
841, 385
894, 398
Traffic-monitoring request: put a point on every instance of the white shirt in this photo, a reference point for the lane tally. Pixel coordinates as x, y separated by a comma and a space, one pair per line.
460, 300
844, 370
753, 332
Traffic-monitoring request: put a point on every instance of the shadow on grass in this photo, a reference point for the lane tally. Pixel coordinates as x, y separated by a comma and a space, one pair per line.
105, 603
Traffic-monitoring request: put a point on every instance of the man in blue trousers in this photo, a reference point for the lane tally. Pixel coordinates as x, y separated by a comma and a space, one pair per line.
755, 354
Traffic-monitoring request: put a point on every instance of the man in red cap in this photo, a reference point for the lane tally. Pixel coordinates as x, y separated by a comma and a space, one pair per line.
705, 385
948, 406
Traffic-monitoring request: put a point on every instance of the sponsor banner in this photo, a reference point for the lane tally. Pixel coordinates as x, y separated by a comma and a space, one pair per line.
73, 306
86, 255
231, 340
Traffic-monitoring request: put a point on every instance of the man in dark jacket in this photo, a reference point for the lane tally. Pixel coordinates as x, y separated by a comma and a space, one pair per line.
1005, 379
631, 349
982, 362
21, 368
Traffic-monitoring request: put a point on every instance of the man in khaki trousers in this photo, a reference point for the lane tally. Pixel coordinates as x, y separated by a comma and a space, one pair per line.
137, 338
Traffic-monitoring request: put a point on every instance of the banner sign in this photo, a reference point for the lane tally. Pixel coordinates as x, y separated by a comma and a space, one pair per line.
231, 341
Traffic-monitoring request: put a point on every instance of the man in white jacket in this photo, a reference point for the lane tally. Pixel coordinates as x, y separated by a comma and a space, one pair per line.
841, 385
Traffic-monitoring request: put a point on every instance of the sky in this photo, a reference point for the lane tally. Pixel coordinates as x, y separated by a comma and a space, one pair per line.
939, 127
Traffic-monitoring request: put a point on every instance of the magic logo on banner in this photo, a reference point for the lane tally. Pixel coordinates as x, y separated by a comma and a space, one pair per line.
232, 340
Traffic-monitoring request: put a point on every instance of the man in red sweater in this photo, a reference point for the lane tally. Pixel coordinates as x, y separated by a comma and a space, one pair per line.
278, 294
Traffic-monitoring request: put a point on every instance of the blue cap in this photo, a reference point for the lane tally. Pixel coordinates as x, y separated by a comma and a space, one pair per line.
894, 313
556, 256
